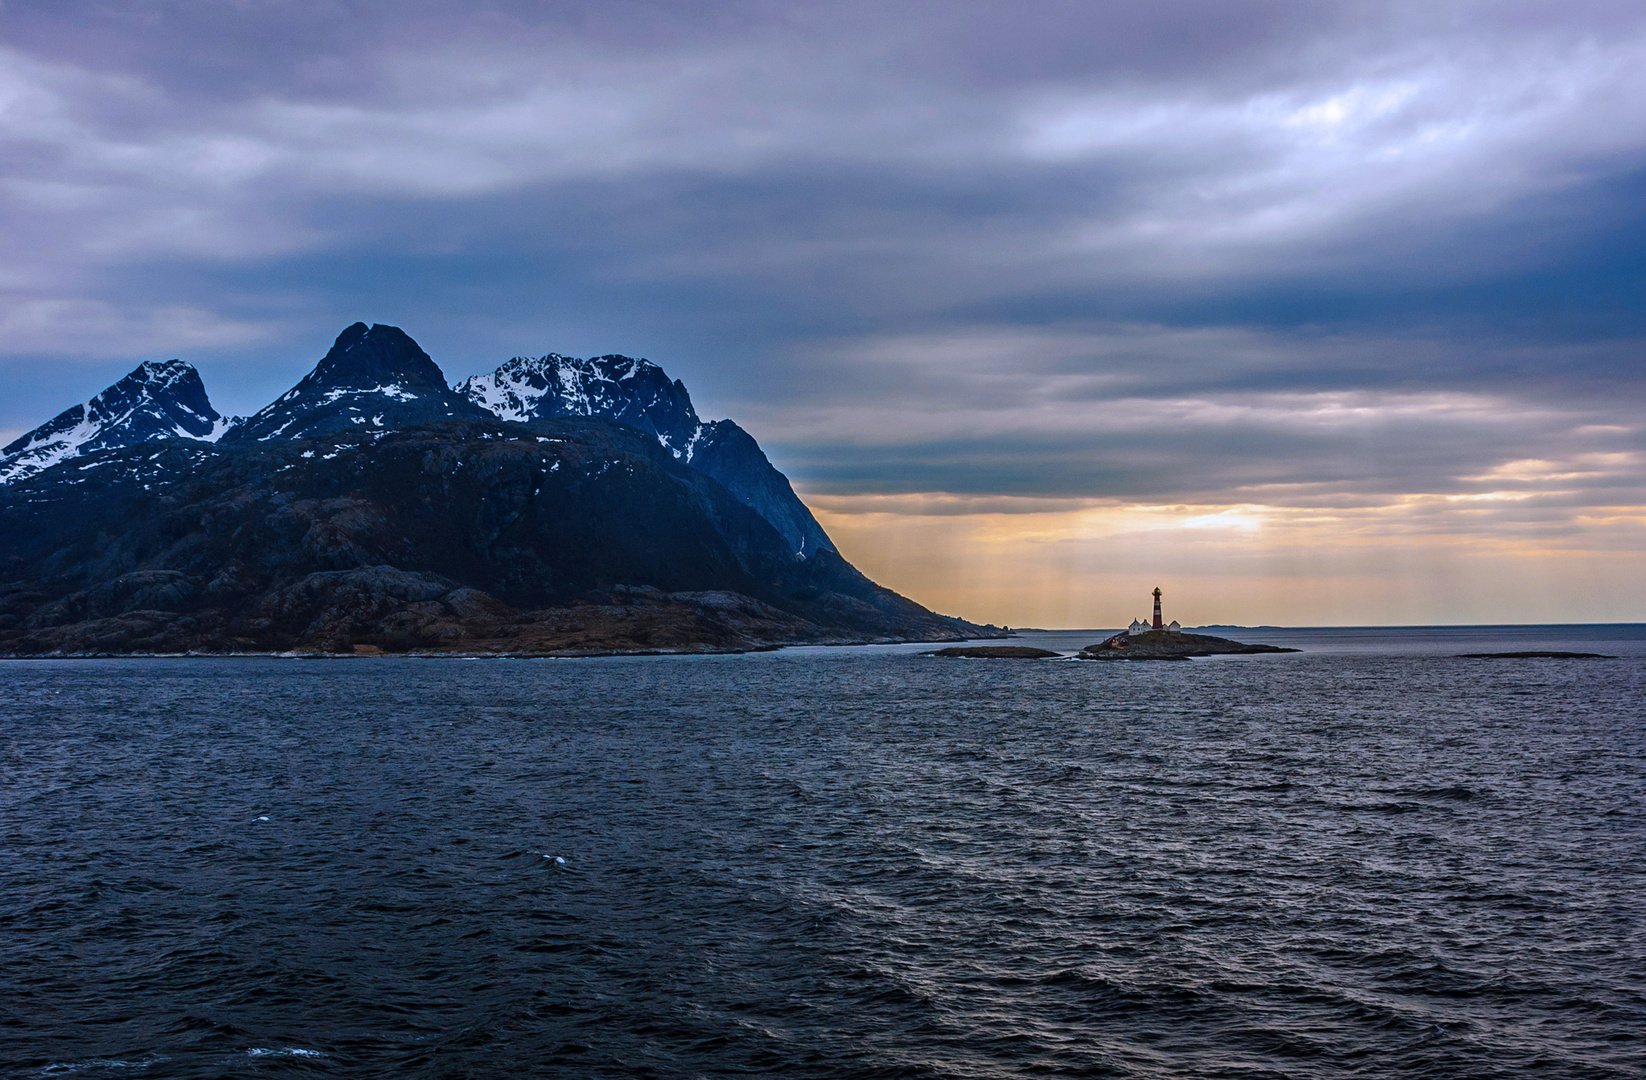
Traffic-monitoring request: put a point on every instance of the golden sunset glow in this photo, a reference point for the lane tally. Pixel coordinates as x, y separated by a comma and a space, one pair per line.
1416, 559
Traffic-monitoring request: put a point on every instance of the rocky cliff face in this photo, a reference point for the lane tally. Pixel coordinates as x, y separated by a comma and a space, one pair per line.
726, 452
433, 525
640, 394
163, 400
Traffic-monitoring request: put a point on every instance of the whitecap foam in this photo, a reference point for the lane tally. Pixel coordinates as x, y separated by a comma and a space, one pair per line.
99, 1063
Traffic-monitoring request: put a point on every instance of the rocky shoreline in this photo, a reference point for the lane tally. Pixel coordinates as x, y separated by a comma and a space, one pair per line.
383, 611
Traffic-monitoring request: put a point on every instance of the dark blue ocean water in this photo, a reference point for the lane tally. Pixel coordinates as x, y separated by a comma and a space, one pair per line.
1366, 859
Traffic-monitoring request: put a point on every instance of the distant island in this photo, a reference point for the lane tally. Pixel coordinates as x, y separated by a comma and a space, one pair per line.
553, 507
1535, 654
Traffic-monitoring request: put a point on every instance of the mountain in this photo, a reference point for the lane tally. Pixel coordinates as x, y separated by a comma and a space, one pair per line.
569, 535
164, 400
638, 393
433, 526
373, 379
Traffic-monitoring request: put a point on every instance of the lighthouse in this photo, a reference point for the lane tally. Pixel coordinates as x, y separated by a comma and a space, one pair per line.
1157, 623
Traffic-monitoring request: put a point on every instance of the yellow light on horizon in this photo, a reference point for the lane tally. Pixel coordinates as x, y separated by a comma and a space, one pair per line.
1419, 559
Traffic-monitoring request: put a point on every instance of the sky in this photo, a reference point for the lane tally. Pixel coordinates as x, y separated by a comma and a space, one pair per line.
1310, 313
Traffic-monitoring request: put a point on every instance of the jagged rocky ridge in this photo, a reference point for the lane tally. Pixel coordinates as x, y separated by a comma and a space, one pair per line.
373, 508
376, 378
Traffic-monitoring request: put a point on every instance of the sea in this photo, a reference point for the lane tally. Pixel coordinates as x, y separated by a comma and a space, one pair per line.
1369, 858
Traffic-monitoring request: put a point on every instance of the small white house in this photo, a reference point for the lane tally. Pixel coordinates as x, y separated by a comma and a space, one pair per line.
1174, 628
1138, 627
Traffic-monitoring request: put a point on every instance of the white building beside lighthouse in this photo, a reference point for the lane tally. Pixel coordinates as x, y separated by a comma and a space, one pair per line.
1140, 626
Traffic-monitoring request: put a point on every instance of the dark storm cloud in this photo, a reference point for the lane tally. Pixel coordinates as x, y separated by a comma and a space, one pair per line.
1146, 412
1058, 249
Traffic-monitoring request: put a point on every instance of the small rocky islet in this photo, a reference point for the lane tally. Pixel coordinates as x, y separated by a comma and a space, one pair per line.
1152, 645
995, 652
1171, 645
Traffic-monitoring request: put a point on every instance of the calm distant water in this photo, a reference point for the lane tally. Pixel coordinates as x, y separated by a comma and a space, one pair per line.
1368, 859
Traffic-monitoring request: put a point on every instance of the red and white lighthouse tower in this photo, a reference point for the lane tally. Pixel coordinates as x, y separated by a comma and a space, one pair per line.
1157, 623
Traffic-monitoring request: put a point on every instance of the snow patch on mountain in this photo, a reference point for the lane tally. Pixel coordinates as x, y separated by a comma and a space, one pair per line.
392, 390
221, 428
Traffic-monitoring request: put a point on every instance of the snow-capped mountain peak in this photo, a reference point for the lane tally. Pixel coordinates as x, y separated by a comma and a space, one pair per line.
376, 379
373, 378
157, 400
621, 388
640, 394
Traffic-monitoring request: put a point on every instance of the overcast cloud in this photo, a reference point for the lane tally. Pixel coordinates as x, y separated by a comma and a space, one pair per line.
1292, 253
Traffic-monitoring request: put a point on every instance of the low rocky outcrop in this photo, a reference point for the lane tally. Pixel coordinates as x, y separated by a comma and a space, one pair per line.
994, 652
1535, 654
